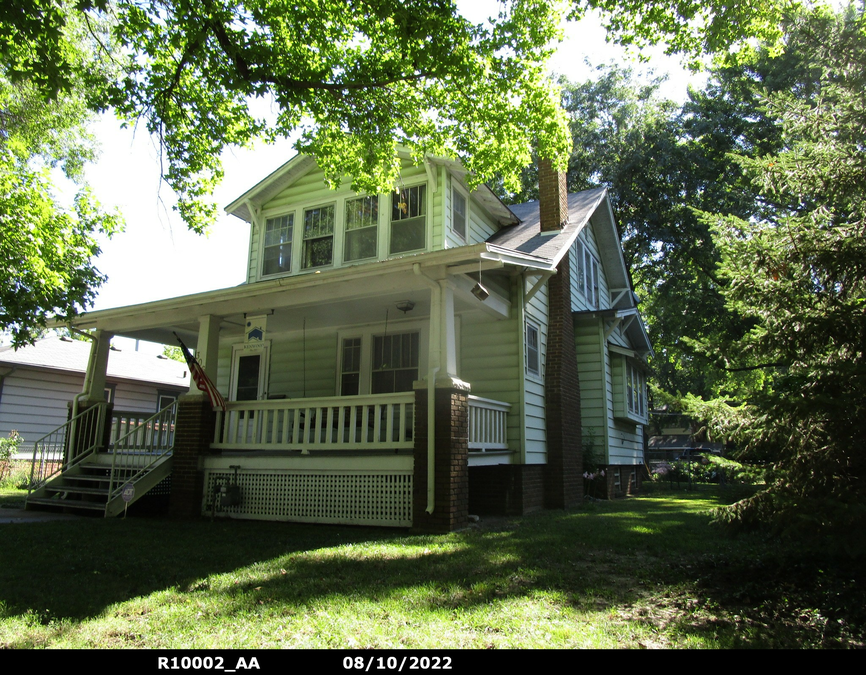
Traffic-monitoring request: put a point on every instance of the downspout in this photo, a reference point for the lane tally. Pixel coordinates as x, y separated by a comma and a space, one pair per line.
431, 406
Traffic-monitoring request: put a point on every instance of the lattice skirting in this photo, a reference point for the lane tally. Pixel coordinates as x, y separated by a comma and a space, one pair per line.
354, 498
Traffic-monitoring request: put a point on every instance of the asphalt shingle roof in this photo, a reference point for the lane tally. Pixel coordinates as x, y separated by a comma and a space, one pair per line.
57, 354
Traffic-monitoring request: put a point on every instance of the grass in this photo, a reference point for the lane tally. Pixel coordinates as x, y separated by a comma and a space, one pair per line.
646, 572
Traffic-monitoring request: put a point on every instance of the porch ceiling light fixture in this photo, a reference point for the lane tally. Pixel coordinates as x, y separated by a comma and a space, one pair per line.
480, 292
405, 306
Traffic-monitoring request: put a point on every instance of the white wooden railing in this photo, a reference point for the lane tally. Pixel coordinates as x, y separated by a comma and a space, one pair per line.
488, 424
381, 421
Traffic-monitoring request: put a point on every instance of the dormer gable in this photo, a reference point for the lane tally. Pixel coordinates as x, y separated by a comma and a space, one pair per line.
300, 225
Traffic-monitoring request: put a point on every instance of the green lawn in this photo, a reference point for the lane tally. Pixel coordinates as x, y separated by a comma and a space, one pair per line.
646, 572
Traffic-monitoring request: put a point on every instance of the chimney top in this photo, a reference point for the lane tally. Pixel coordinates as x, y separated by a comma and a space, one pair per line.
552, 197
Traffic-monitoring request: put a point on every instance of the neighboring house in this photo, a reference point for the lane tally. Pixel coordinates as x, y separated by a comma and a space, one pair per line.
408, 358
38, 383
675, 436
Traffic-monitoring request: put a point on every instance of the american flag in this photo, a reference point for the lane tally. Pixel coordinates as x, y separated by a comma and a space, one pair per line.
202, 381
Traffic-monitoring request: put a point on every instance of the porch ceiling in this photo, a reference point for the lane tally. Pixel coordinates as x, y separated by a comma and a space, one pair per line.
321, 303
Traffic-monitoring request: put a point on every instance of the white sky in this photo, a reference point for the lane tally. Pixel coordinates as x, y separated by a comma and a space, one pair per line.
157, 257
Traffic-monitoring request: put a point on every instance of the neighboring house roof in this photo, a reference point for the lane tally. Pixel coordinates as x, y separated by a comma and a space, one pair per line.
682, 442
60, 354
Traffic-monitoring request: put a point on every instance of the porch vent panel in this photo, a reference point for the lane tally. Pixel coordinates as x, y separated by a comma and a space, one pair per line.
381, 499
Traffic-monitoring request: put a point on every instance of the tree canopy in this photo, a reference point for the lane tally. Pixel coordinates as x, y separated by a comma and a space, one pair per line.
46, 246
798, 276
357, 78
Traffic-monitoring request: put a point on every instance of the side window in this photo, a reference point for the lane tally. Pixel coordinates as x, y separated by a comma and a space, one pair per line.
458, 213
581, 267
590, 266
277, 255
533, 351
408, 219
362, 222
318, 237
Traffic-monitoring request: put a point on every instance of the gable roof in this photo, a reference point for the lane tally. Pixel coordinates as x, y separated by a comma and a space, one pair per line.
55, 353
584, 208
299, 165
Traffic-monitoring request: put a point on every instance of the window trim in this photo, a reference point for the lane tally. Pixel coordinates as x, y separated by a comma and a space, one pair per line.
623, 371
455, 190
333, 236
426, 245
367, 333
537, 373
263, 247
345, 229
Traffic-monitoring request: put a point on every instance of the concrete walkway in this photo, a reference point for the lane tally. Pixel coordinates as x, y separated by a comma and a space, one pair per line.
22, 516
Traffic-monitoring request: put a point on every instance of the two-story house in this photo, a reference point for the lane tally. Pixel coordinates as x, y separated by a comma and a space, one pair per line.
408, 358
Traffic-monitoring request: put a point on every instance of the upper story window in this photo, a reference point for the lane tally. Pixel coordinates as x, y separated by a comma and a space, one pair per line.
408, 219
278, 245
458, 213
581, 267
587, 274
362, 223
318, 236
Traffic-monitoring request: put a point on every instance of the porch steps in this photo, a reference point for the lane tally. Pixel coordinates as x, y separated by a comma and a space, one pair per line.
84, 488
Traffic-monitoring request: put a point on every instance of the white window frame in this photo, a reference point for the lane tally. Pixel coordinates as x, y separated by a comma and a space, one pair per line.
376, 228
366, 334
457, 192
532, 327
391, 221
629, 389
304, 239
290, 243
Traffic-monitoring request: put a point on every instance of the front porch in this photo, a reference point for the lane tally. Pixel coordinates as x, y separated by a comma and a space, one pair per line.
340, 459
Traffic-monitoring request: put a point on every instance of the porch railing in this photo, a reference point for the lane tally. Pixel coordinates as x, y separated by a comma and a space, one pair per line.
380, 421
67, 445
488, 424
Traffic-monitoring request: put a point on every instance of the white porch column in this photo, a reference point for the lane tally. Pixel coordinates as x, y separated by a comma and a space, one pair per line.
97, 367
443, 333
207, 348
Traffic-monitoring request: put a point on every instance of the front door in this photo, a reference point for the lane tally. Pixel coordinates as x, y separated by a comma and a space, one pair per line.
249, 372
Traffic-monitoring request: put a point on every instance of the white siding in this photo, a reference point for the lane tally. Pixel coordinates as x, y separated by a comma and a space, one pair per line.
36, 402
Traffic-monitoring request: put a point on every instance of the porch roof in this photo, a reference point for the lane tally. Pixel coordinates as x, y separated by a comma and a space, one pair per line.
342, 296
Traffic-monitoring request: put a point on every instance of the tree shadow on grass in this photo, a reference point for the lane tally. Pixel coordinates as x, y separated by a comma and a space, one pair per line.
624, 555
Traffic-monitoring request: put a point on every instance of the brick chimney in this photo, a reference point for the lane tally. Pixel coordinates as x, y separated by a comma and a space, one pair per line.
552, 197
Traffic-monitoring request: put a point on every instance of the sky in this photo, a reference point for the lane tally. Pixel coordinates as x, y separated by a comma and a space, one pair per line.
156, 257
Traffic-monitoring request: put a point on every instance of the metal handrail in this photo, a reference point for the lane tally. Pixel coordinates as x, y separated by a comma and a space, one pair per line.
66, 441
146, 444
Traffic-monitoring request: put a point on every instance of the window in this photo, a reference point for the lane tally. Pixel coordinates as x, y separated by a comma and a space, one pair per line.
533, 353
408, 219
629, 380
318, 236
581, 268
458, 213
591, 272
350, 378
163, 400
277, 255
362, 222
635, 390
395, 362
